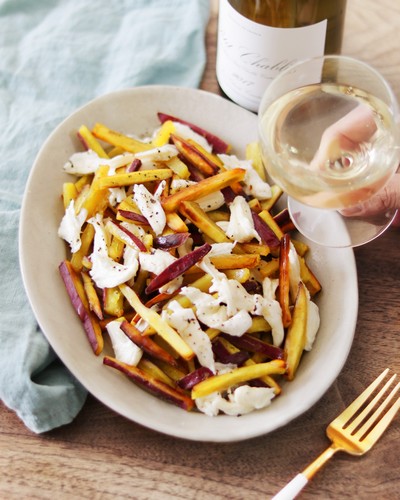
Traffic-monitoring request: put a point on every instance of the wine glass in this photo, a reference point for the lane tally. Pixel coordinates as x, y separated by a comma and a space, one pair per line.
329, 136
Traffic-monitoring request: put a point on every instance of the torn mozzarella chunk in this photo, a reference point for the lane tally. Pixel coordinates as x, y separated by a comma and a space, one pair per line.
155, 261
215, 315
116, 195
221, 249
186, 132
244, 399
106, 272
253, 184
150, 207
313, 322
71, 226
162, 153
271, 310
125, 350
185, 322
241, 225
87, 162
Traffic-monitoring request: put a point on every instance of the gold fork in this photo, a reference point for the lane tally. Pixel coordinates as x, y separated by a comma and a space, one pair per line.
355, 430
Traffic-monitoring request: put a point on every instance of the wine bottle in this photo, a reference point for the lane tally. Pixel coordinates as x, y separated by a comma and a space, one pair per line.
259, 38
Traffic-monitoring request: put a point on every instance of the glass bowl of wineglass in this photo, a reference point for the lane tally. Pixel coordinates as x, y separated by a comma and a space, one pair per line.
330, 138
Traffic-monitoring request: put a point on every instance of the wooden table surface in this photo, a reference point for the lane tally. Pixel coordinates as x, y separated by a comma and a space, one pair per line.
102, 455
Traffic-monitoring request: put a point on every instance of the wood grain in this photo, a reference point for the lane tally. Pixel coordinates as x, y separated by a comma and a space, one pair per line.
102, 455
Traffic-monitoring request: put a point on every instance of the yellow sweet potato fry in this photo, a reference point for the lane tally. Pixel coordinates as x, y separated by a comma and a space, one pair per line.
203, 188
276, 194
69, 193
96, 200
309, 278
296, 334
253, 154
192, 211
284, 281
113, 301
91, 294
131, 178
235, 261
120, 140
86, 241
154, 319
91, 142
163, 135
241, 275
218, 383
175, 223
192, 153
269, 220
269, 269
210, 156
178, 167
152, 369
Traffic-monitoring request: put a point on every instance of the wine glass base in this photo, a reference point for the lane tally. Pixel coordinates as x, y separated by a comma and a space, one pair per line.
331, 229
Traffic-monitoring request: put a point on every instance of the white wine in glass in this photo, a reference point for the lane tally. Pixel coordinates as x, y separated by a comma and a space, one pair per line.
329, 136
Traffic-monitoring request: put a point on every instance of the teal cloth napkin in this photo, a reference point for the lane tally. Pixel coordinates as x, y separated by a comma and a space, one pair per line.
55, 55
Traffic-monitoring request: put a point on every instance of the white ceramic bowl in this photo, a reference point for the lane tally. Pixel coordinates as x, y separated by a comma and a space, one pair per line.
41, 251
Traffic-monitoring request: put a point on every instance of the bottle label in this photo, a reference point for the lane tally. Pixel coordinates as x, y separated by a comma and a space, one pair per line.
250, 55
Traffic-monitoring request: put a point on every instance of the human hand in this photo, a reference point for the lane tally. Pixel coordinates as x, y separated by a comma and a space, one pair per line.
387, 198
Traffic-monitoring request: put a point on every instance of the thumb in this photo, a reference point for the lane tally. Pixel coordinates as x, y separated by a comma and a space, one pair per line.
387, 198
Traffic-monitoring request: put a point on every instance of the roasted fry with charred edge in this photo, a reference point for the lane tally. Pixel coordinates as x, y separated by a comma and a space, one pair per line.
155, 386
284, 286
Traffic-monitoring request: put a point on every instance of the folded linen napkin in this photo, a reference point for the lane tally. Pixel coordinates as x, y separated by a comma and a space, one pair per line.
55, 55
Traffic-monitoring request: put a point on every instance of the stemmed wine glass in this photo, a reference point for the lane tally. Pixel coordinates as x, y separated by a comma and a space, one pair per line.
329, 136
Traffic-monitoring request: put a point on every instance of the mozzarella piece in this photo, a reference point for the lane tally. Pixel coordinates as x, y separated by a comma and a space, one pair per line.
271, 310
71, 226
162, 153
212, 313
125, 350
313, 322
253, 184
106, 272
241, 225
116, 195
150, 207
221, 249
87, 162
155, 262
244, 399
186, 132
185, 322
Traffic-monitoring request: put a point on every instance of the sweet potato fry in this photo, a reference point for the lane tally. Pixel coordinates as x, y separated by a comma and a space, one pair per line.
178, 267
192, 211
218, 383
79, 301
284, 288
120, 140
158, 388
146, 343
164, 330
296, 334
193, 155
203, 188
131, 178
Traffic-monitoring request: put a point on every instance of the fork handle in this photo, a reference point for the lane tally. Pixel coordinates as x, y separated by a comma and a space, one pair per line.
293, 488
